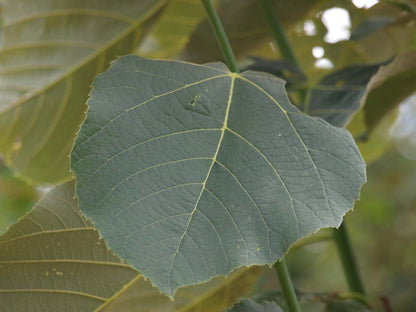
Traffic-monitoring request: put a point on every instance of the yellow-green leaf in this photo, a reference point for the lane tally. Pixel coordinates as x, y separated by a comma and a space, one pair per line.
54, 260
16, 197
173, 30
391, 85
216, 295
51, 52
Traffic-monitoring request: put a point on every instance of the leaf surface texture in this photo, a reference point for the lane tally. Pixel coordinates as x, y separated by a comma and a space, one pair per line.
190, 171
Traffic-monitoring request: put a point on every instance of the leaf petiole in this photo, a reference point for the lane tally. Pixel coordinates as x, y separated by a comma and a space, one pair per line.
221, 35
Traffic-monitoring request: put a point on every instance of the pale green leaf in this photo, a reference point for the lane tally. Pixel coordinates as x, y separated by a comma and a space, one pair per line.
373, 146
51, 51
346, 306
53, 260
248, 305
173, 30
215, 295
190, 171
380, 46
391, 85
16, 197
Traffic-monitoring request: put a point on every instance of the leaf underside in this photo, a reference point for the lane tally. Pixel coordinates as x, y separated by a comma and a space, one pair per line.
190, 171
51, 51
54, 260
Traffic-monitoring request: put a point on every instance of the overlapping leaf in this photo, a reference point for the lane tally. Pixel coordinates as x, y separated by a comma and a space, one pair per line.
215, 295
173, 30
389, 87
190, 171
16, 197
337, 97
51, 51
247, 305
53, 260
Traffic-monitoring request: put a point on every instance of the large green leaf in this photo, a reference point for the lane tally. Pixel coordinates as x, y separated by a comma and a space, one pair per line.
53, 260
247, 305
51, 52
190, 171
389, 87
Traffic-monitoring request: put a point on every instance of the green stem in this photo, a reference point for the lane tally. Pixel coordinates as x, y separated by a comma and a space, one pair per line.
279, 33
221, 35
287, 287
347, 258
281, 39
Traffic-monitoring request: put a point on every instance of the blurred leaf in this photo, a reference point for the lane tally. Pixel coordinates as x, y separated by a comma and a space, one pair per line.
337, 96
173, 30
215, 295
338, 99
51, 52
245, 26
247, 305
53, 259
16, 198
346, 306
394, 38
279, 68
405, 5
369, 26
374, 145
391, 85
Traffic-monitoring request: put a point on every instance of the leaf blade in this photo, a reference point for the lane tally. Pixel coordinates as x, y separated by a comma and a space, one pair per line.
54, 254
210, 146
40, 114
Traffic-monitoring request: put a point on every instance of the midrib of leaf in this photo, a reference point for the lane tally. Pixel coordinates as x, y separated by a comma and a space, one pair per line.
134, 107
118, 294
46, 233
199, 300
55, 291
214, 159
49, 43
66, 261
99, 52
73, 11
